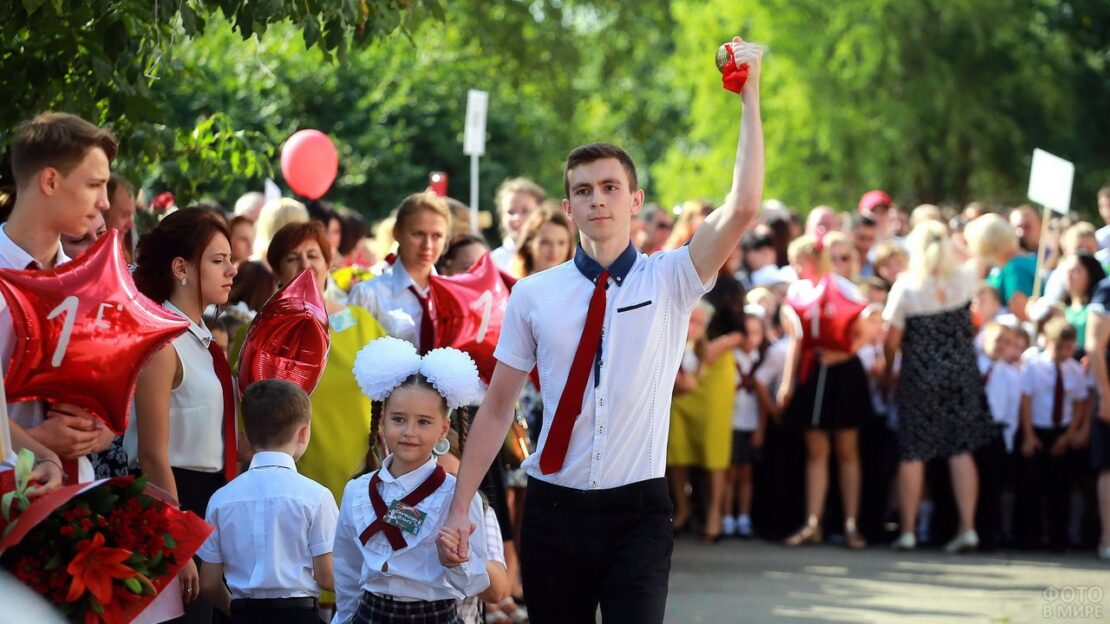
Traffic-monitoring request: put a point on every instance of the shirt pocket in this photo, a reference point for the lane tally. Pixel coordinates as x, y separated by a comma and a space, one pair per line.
634, 306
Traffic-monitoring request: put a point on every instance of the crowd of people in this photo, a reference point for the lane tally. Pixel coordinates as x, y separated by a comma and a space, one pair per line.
957, 400
961, 410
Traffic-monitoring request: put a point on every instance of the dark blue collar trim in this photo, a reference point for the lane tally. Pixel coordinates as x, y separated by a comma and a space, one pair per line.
589, 267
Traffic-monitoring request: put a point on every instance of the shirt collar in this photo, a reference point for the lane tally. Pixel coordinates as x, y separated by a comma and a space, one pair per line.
401, 278
15, 257
264, 459
200, 332
411, 480
590, 268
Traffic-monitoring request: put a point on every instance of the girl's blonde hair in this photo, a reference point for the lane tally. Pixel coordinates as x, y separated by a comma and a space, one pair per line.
930, 252
839, 238
276, 214
805, 246
421, 201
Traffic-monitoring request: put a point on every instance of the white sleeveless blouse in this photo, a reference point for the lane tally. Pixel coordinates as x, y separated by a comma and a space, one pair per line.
196, 404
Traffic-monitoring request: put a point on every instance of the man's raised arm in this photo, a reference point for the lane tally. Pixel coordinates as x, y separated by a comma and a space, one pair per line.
721, 231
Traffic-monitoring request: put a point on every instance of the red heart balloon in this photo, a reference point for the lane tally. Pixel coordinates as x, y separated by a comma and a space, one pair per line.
289, 338
468, 311
828, 316
83, 332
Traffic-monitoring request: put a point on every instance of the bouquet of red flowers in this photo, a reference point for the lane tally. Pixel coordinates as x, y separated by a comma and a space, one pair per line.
102, 551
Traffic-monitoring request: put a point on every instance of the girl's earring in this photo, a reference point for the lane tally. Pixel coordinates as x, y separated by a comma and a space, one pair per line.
184, 282
442, 447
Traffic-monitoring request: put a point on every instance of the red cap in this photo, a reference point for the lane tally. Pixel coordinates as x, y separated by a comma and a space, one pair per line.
871, 199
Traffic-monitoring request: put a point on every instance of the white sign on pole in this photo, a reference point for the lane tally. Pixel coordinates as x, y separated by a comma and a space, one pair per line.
1050, 180
272, 191
474, 141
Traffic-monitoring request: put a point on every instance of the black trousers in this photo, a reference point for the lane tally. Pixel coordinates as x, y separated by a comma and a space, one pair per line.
1045, 493
276, 611
610, 547
993, 463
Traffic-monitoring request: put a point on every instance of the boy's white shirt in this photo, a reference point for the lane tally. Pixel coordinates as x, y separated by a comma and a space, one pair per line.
1038, 379
410, 573
1003, 390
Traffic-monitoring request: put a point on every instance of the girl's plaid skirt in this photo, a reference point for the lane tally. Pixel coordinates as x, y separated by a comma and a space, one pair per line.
375, 609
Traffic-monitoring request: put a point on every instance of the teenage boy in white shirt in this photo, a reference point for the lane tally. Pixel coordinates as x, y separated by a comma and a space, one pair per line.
596, 526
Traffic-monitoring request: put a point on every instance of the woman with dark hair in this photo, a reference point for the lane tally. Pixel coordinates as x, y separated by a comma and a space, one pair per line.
340, 412
184, 400
463, 252
1082, 273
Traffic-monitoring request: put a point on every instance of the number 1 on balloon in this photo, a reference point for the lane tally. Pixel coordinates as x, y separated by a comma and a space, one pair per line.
68, 306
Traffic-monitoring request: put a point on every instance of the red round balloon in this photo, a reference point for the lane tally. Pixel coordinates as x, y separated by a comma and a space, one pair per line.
468, 311
83, 331
309, 163
827, 315
289, 338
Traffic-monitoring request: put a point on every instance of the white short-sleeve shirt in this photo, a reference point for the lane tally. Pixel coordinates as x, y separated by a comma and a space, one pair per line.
1038, 381
1003, 388
621, 435
388, 299
745, 406
270, 522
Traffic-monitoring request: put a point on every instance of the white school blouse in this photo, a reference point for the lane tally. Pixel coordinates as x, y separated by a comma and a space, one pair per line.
413, 572
745, 407
197, 404
270, 522
27, 414
621, 435
388, 299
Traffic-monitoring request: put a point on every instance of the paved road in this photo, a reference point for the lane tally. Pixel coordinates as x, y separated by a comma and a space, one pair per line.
754, 581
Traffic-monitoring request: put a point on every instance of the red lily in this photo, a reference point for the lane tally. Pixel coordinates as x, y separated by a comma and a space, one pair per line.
95, 567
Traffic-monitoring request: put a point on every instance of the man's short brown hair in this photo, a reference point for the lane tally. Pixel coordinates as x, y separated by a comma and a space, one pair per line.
273, 410
57, 140
585, 154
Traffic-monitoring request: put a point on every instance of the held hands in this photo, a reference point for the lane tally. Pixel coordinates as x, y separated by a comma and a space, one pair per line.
1030, 445
69, 431
453, 541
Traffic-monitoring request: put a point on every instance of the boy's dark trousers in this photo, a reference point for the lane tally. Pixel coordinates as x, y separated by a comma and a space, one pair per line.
275, 611
1046, 491
610, 547
993, 463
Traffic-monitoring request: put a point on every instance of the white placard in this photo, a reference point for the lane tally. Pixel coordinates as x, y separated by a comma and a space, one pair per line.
1050, 180
474, 141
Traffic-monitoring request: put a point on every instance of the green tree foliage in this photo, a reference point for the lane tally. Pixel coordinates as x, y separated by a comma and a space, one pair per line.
936, 101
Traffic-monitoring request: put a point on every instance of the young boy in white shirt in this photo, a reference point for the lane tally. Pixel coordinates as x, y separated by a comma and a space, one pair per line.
274, 527
1054, 391
1002, 383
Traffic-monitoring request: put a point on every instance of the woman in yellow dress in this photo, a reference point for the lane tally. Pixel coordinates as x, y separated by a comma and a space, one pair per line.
340, 412
701, 419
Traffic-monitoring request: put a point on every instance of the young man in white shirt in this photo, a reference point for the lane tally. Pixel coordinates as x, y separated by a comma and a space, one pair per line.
60, 164
607, 332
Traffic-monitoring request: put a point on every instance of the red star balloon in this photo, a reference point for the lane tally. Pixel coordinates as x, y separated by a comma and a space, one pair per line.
828, 316
289, 338
468, 310
83, 332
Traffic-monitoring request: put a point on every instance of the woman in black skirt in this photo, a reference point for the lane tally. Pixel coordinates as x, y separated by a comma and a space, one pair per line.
942, 407
824, 390
1098, 345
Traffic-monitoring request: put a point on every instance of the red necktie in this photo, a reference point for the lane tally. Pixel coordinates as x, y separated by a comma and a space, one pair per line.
1058, 399
223, 371
987, 375
69, 465
392, 533
746, 380
570, 404
427, 330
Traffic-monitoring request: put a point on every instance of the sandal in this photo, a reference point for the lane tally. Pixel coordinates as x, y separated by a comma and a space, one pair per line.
808, 534
852, 537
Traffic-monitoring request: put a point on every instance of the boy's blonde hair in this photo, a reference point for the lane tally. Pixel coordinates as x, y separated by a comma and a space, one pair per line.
992, 331
990, 236
1058, 329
